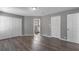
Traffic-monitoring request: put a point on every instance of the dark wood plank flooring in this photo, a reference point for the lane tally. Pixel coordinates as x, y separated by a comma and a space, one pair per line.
37, 43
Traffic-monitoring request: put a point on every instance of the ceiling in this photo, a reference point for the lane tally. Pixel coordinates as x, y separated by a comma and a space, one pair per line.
41, 11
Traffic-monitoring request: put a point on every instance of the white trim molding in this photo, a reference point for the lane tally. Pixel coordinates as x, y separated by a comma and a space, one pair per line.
27, 35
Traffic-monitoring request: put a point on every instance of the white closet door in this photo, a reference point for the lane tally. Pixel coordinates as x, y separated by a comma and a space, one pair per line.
69, 27
55, 26
10, 26
73, 27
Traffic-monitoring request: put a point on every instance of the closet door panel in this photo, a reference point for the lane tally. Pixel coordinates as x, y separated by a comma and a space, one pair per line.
56, 26
10, 26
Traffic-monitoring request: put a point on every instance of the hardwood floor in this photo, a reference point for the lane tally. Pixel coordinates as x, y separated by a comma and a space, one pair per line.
37, 43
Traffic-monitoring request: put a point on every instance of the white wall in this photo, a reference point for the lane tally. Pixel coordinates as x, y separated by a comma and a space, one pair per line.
10, 26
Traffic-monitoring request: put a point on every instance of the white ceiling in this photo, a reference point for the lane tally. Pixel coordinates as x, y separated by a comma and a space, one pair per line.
27, 11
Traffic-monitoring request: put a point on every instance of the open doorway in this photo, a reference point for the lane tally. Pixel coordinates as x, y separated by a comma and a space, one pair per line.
36, 26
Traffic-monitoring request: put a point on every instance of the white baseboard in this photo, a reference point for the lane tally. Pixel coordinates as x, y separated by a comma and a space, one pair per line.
61, 39
14, 36
46, 35
27, 35
51, 36
7, 37
70, 41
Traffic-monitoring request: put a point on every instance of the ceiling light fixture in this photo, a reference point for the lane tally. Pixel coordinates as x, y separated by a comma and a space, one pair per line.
34, 8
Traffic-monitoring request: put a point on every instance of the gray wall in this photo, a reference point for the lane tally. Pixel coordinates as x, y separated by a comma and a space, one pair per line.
28, 26
46, 20
45, 26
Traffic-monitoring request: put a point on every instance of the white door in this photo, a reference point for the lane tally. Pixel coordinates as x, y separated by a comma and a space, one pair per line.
73, 27
55, 26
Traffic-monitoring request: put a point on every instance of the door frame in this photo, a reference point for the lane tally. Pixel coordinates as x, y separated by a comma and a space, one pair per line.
35, 19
